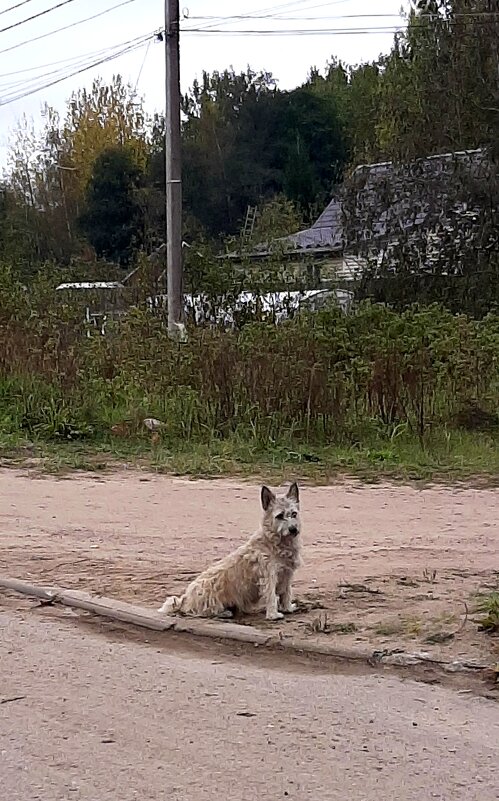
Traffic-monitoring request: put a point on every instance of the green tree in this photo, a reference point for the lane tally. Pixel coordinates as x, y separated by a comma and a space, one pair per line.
439, 90
245, 141
220, 175
106, 116
49, 170
353, 93
307, 147
112, 219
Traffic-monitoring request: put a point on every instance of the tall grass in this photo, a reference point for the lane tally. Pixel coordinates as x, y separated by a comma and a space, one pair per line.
316, 380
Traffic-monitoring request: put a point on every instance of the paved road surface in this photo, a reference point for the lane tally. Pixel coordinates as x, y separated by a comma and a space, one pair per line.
110, 719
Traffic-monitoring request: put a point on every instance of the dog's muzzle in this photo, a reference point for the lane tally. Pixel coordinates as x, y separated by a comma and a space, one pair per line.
293, 531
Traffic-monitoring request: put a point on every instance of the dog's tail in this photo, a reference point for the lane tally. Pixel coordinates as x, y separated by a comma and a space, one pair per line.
172, 604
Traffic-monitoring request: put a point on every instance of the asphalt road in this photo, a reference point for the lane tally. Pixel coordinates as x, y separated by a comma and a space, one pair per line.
107, 718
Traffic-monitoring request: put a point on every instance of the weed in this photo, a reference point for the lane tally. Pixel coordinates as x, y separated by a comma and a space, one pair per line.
402, 627
389, 628
430, 576
488, 607
374, 393
322, 625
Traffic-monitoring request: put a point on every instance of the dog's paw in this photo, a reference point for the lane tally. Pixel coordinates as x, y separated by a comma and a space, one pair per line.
227, 614
274, 616
288, 610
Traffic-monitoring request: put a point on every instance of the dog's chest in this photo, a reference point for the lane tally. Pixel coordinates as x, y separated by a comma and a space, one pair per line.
289, 559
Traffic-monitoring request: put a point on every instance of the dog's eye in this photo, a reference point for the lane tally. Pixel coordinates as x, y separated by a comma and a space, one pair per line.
280, 516
294, 514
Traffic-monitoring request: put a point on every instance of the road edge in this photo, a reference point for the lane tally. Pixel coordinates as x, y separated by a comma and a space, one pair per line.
124, 612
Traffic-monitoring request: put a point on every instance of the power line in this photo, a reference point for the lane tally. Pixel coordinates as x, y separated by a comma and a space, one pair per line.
142, 66
295, 31
319, 18
275, 9
278, 12
63, 66
11, 99
66, 27
35, 16
11, 8
386, 29
21, 88
4, 101
59, 62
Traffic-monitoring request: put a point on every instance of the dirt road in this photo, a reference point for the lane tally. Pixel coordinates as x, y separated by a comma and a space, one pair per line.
388, 565
86, 717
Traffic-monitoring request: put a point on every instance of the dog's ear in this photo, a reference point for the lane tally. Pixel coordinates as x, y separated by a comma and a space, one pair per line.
294, 493
268, 497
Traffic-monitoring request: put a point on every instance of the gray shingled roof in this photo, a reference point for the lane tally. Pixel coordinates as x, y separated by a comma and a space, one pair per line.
325, 234
408, 208
376, 201
381, 201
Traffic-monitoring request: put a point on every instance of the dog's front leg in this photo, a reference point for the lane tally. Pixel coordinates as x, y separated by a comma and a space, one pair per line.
270, 595
285, 594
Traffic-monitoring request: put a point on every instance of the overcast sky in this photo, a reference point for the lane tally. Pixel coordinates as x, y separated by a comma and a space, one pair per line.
288, 57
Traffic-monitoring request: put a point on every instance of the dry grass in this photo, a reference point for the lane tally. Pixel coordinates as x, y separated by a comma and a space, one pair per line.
375, 392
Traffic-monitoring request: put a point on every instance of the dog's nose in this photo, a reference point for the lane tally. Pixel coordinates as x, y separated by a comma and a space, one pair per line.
293, 531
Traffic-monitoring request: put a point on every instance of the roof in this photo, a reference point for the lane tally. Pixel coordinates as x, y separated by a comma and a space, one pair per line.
325, 234
368, 182
92, 285
381, 201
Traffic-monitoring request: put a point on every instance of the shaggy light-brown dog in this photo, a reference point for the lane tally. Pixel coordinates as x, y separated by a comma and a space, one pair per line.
260, 570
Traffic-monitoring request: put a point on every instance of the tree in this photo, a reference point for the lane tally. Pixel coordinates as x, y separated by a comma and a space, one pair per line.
245, 141
277, 217
221, 177
428, 228
41, 190
307, 147
439, 90
18, 246
428, 232
50, 171
353, 93
112, 219
107, 116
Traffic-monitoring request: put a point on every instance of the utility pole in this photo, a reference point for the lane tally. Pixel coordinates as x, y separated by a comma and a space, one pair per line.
173, 170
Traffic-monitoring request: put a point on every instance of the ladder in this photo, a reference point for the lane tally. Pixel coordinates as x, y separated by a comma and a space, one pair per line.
249, 225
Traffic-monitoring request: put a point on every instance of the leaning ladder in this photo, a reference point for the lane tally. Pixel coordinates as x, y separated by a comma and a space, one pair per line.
249, 225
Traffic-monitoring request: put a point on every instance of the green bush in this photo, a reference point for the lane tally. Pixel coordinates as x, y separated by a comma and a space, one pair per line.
319, 378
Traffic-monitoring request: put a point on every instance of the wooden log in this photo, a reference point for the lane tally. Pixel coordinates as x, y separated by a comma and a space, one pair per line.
221, 630
150, 619
105, 607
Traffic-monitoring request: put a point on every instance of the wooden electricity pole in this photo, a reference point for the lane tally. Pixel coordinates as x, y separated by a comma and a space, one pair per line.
173, 169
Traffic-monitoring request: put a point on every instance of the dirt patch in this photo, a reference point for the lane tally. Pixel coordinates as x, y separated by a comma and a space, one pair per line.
385, 566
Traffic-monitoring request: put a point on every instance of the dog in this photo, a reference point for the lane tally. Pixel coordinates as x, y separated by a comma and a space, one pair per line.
260, 570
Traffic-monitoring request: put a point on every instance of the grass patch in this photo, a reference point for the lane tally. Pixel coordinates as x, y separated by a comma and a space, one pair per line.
403, 627
454, 460
322, 625
374, 394
488, 607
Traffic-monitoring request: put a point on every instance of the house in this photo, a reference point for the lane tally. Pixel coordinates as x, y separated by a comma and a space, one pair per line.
317, 250
379, 206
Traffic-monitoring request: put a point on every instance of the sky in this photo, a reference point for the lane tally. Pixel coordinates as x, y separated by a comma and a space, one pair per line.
29, 58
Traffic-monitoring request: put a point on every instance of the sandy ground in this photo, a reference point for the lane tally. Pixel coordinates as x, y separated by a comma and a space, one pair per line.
392, 566
84, 717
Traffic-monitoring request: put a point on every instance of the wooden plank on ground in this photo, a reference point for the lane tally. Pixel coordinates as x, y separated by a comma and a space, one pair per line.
100, 605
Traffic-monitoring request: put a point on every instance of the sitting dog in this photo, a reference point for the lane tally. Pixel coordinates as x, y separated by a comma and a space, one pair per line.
259, 570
